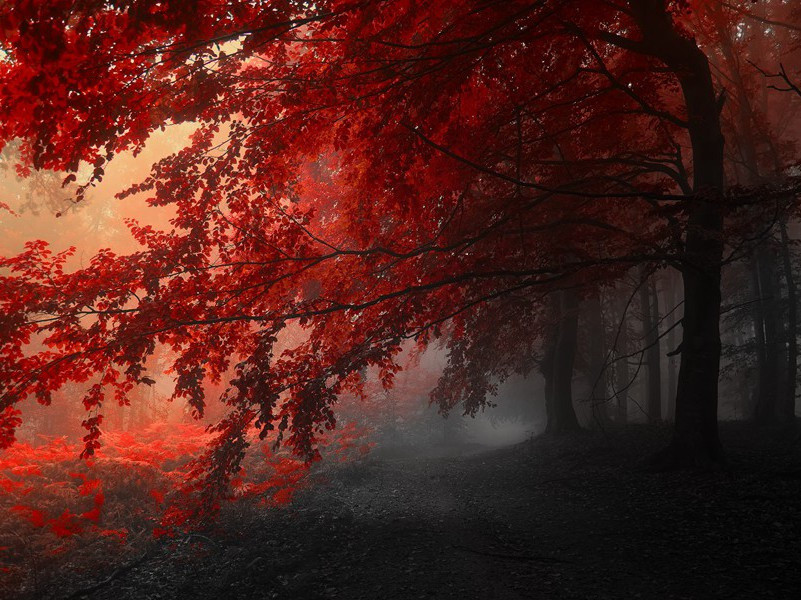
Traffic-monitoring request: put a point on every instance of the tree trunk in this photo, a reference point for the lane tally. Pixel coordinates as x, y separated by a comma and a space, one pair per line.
670, 305
650, 337
695, 438
759, 336
561, 414
622, 364
792, 329
768, 292
546, 368
547, 374
596, 373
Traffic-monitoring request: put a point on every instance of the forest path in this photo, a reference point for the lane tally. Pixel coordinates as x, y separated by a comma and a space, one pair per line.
554, 518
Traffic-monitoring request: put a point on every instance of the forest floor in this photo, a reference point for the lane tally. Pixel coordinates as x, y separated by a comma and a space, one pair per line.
556, 517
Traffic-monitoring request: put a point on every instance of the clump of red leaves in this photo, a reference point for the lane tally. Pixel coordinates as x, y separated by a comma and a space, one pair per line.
59, 510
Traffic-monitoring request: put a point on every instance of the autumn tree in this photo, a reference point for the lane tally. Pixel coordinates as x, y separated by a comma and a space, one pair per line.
370, 172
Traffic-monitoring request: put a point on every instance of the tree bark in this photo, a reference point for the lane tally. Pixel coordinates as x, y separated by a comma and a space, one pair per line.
759, 335
596, 373
670, 305
788, 407
695, 437
622, 364
546, 368
650, 336
561, 414
767, 288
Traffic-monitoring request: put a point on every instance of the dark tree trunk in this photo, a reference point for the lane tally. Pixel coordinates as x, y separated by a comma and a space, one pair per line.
655, 361
675, 312
622, 364
759, 335
788, 407
768, 293
695, 438
546, 368
650, 336
596, 373
561, 414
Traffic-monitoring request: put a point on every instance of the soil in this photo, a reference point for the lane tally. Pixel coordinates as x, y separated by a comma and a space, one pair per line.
556, 517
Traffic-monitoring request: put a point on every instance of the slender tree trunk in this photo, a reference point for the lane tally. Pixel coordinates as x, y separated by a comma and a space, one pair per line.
596, 373
670, 302
768, 399
561, 414
650, 336
695, 438
655, 360
622, 364
759, 335
546, 368
792, 329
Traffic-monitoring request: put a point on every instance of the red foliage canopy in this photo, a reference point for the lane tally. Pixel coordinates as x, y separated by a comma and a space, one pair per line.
372, 171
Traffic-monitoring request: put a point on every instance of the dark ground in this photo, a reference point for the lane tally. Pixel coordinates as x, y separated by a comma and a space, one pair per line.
568, 517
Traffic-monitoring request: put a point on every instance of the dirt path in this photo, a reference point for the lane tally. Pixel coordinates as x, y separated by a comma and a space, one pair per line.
565, 518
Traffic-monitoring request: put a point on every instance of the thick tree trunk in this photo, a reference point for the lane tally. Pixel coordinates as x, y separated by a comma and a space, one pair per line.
561, 414
650, 336
695, 437
788, 405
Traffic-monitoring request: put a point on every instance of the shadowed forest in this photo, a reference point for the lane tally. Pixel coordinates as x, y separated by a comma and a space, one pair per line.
399, 299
